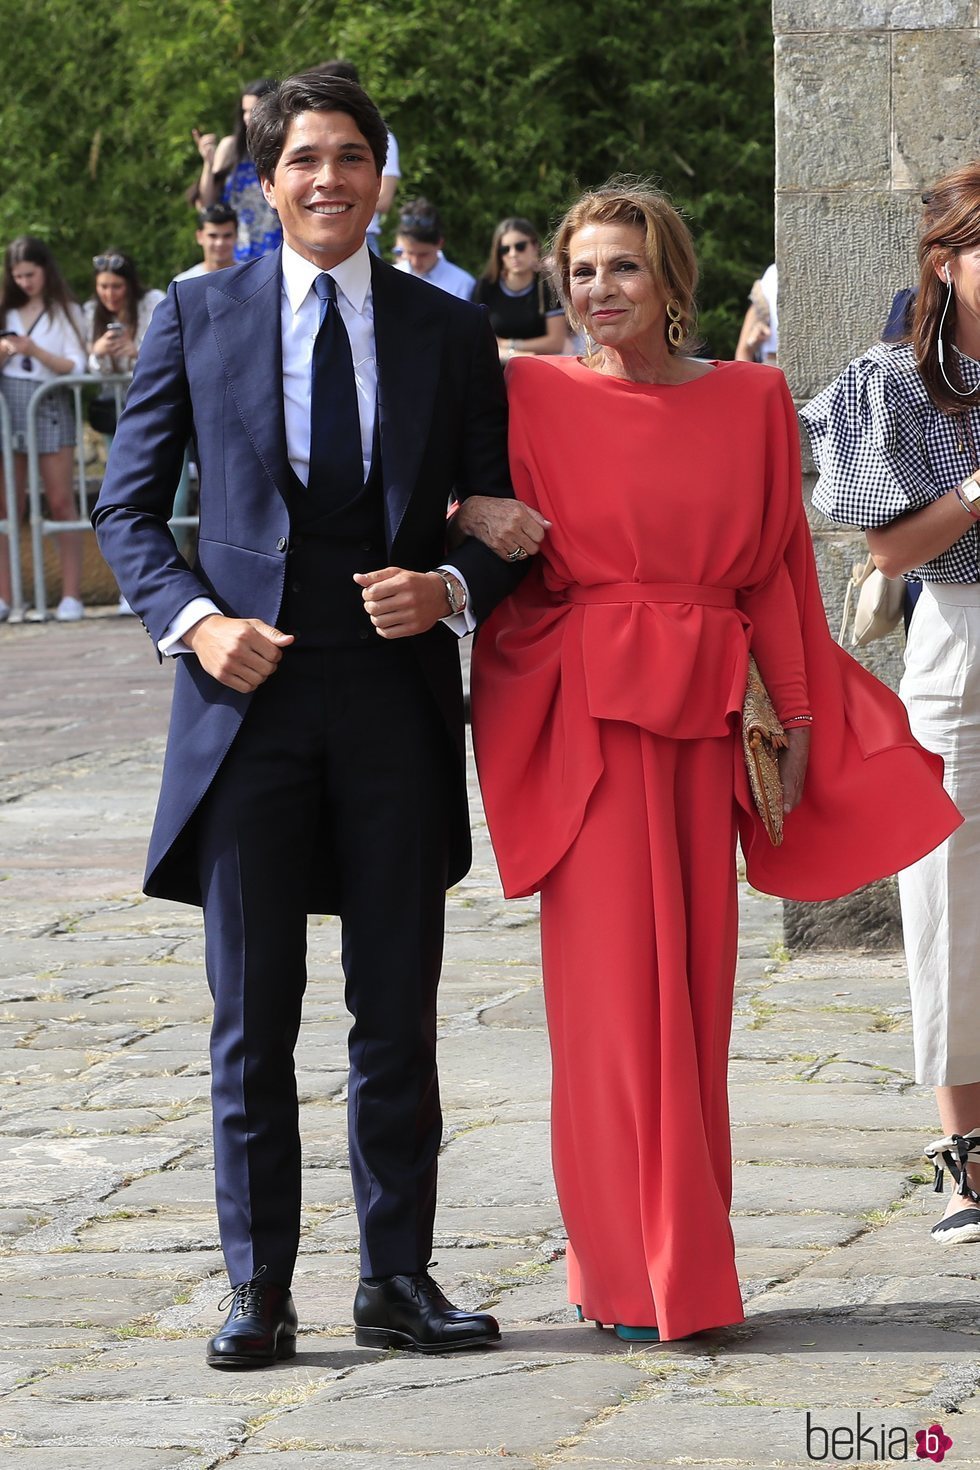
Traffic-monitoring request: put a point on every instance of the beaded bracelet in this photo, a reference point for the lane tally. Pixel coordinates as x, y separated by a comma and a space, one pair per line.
796, 720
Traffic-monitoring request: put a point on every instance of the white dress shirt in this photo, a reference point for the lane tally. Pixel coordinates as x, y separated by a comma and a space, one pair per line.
445, 275
300, 322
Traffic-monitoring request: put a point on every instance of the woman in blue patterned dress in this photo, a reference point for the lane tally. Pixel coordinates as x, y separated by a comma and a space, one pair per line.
228, 175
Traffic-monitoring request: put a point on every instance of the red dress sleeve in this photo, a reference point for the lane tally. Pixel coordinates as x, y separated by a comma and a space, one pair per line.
873, 800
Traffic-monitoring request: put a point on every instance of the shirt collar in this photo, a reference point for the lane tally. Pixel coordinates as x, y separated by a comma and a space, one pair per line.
353, 276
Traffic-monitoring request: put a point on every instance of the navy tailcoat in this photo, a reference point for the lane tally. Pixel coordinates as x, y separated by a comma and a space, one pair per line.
210, 368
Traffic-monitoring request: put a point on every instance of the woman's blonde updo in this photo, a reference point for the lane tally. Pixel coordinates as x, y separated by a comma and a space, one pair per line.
669, 247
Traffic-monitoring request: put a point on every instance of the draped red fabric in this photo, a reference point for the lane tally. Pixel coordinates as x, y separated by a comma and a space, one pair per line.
696, 483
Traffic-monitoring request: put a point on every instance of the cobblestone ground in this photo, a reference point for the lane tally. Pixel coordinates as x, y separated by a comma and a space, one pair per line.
110, 1275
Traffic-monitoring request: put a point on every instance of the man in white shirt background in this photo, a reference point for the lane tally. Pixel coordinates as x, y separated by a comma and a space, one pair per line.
217, 230
419, 243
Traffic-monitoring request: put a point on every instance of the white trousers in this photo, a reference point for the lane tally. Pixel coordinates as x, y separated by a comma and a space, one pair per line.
940, 894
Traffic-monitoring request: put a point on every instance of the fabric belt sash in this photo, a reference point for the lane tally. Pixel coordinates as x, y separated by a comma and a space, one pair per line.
652, 592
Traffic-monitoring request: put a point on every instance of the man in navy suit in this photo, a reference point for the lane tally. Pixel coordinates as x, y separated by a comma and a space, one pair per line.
315, 757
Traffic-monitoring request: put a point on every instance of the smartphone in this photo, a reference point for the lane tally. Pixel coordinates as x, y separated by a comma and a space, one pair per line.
114, 327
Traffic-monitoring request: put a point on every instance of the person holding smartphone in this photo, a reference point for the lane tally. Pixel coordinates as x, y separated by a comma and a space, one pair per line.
117, 316
116, 319
42, 341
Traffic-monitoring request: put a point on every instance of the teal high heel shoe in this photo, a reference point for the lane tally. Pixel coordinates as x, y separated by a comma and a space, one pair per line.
627, 1334
636, 1334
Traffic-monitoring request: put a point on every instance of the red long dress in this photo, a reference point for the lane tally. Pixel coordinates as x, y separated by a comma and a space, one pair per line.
607, 694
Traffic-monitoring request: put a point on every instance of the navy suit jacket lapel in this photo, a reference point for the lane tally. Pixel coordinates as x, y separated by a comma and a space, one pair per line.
406, 338
245, 315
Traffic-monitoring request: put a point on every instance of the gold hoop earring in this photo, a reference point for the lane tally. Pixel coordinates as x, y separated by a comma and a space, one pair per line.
675, 331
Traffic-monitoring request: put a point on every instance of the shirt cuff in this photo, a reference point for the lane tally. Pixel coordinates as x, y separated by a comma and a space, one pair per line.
172, 641
463, 622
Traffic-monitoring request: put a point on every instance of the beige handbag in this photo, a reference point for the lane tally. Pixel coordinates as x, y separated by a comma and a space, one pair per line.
763, 737
877, 601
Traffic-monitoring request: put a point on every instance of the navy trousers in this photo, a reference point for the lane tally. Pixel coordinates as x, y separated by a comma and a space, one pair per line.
343, 759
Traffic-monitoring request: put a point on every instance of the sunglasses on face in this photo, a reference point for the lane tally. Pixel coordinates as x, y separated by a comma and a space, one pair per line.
108, 262
519, 247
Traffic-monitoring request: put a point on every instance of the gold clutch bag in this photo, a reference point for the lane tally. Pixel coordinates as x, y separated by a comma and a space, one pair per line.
763, 738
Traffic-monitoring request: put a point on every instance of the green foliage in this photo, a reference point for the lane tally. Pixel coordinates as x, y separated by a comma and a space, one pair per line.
498, 109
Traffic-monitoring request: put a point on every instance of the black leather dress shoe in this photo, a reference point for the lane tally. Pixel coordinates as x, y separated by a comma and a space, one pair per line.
259, 1329
411, 1312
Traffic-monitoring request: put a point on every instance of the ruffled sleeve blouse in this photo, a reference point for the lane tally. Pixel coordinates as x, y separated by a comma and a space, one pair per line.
883, 449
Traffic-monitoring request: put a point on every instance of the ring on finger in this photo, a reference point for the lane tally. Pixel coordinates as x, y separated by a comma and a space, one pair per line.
518, 554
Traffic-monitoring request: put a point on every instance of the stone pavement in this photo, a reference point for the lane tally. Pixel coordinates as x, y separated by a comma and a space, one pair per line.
110, 1274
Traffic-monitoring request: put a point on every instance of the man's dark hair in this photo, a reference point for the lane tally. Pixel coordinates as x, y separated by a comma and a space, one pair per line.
337, 67
312, 91
419, 221
216, 214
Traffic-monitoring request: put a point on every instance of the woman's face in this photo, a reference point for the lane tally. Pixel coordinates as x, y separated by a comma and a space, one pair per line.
111, 291
248, 102
29, 278
518, 253
612, 289
964, 270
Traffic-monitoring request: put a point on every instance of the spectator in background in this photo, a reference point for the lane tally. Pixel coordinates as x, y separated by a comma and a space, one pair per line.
392, 173
901, 315
419, 244
228, 176
117, 316
217, 228
116, 319
758, 341
43, 339
525, 312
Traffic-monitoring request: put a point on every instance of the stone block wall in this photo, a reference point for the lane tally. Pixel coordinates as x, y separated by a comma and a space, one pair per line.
874, 99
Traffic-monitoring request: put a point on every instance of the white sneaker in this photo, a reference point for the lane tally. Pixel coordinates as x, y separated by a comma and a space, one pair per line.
4, 610
69, 610
124, 610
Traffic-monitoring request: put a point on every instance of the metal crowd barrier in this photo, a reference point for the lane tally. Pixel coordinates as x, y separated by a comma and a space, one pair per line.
9, 525
40, 525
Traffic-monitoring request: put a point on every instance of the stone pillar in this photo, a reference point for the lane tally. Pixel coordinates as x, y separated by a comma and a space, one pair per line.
874, 99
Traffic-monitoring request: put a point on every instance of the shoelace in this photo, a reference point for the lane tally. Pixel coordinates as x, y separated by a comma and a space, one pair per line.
423, 1284
246, 1298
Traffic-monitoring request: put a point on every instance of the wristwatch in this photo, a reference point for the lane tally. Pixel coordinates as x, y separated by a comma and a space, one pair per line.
456, 592
971, 490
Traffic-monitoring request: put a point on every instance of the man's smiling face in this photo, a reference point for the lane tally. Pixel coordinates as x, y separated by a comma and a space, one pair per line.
325, 187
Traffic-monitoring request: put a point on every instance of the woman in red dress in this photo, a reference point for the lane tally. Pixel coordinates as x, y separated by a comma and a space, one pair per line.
607, 695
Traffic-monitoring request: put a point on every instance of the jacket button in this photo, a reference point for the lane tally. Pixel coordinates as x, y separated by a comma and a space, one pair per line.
281, 544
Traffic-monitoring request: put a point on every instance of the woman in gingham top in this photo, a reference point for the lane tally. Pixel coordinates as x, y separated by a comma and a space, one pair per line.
895, 439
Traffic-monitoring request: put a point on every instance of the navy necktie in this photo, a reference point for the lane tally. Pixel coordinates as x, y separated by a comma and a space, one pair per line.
336, 461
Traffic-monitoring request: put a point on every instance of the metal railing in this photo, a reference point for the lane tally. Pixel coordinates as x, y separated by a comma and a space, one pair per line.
10, 524
41, 525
